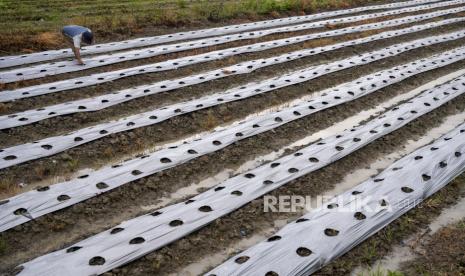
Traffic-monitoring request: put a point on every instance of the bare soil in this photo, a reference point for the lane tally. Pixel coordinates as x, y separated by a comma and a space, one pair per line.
443, 253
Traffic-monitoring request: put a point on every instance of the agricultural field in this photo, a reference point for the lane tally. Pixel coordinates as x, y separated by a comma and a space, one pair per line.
233, 138
33, 25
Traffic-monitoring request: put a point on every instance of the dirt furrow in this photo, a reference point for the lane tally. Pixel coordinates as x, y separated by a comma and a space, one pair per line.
409, 255
440, 253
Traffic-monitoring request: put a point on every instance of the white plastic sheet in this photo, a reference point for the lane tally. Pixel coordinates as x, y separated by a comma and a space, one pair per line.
49, 69
52, 145
137, 237
8, 61
100, 78
26, 206
304, 246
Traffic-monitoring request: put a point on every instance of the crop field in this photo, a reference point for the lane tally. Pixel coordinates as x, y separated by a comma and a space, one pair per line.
233, 138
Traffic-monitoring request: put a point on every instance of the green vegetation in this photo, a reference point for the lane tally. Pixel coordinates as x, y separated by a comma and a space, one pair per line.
31, 25
378, 271
3, 246
443, 253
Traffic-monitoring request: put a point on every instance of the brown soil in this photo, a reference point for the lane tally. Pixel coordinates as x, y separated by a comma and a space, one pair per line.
443, 254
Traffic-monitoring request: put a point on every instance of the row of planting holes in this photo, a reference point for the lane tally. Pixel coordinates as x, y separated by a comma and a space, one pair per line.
122, 57
277, 119
159, 67
78, 139
304, 252
166, 160
112, 44
130, 124
301, 251
145, 91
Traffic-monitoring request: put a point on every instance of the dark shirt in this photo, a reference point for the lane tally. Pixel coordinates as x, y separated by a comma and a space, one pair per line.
74, 34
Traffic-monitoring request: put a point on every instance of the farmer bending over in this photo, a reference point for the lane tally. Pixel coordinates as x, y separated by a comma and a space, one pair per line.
76, 35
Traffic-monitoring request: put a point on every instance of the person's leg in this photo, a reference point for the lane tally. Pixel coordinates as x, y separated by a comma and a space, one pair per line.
75, 50
70, 42
77, 40
77, 54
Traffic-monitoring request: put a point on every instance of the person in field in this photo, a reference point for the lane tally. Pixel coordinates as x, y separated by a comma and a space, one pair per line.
76, 36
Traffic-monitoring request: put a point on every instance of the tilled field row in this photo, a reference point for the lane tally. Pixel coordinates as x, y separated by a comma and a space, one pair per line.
242, 68
325, 234
52, 145
233, 193
55, 68
33, 204
148, 41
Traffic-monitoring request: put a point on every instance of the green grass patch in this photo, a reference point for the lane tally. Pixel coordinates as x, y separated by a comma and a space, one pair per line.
3, 246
